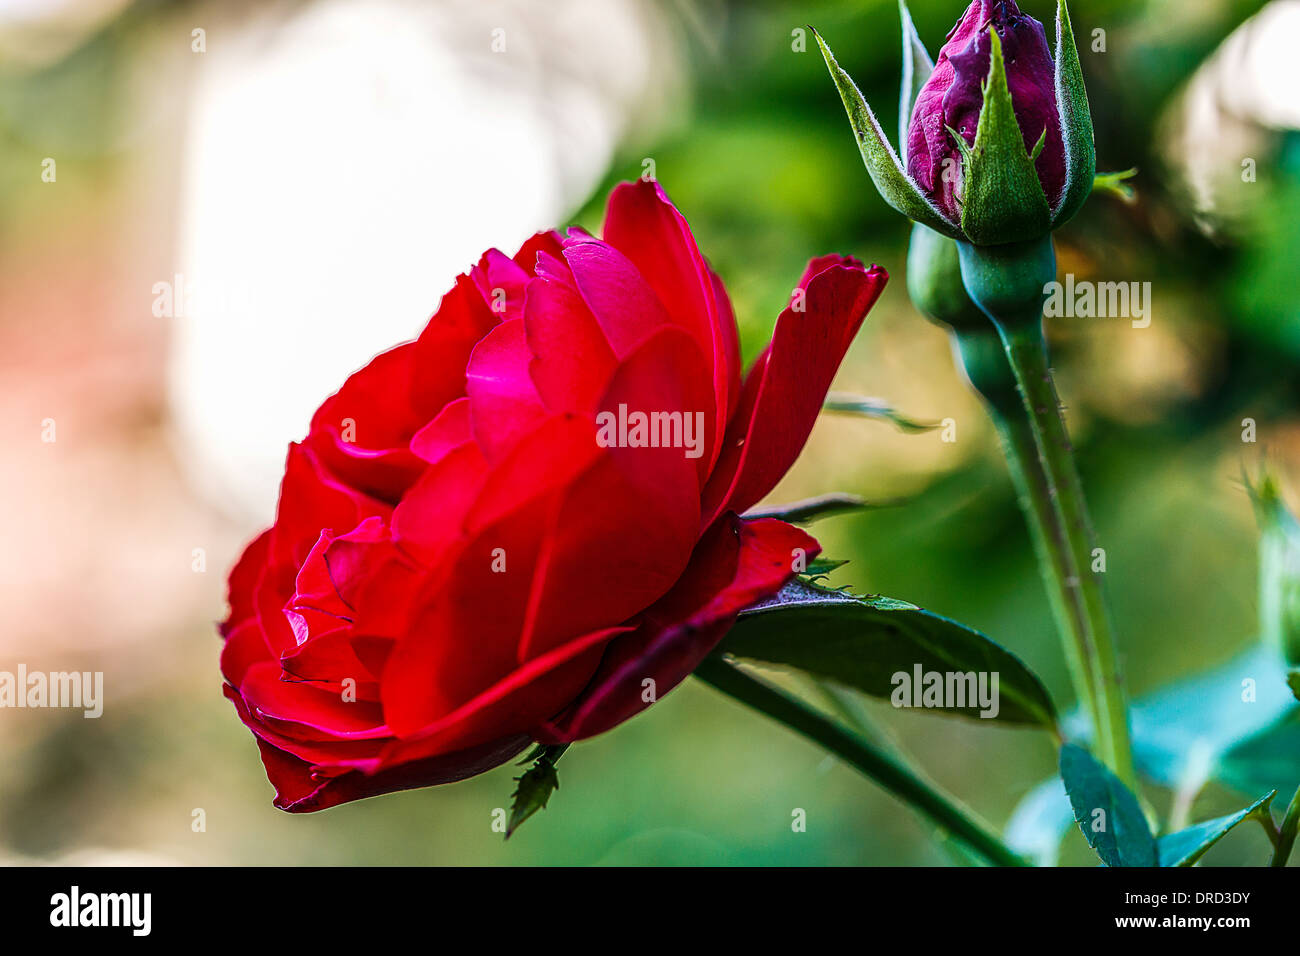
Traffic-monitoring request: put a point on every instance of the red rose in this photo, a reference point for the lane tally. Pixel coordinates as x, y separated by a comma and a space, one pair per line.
478, 544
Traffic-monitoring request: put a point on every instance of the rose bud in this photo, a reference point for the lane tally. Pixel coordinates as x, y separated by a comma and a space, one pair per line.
527, 525
996, 144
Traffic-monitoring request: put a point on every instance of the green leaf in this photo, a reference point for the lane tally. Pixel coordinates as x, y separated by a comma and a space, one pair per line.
891, 180
1076, 122
1185, 847
1293, 681
875, 408
1107, 812
535, 786
1039, 822
1267, 760
1236, 723
1117, 185
877, 644
917, 67
820, 566
810, 509
1002, 199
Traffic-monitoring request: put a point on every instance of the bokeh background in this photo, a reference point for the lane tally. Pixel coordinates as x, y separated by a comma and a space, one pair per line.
304, 179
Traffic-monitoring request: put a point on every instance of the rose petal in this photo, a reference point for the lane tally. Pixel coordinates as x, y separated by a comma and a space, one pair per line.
504, 404
784, 391
736, 564
642, 223
301, 788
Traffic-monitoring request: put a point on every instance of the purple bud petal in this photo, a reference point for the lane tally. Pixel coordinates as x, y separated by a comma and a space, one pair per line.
954, 95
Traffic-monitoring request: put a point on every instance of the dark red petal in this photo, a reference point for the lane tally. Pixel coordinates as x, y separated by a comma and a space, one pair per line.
501, 281
443, 349
314, 588
573, 361
302, 710
331, 659
302, 788
784, 391
520, 700
642, 223
736, 564
311, 500
626, 527
274, 587
816, 266
306, 745
450, 429
630, 522
429, 518
360, 434
244, 647
504, 404
623, 303
729, 337
243, 581
549, 243
485, 552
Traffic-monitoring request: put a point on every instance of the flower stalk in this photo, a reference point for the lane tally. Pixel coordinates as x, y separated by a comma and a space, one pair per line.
934, 281
1007, 283
982, 355
1287, 832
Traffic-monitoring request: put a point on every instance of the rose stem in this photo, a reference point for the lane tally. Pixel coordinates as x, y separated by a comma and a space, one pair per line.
1027, 352
1009, 283
1286, 838
866, 757
984, 360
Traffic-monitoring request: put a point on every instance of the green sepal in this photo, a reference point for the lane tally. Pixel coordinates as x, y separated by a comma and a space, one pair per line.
1002, 199
1076, 122
934, 282
534, 788
887, 173
1117, 185
917, 67
1038, 147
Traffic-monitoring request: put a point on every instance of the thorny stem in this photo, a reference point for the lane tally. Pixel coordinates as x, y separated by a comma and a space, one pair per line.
1286, 836
984, 360
1027, 354
1009, 285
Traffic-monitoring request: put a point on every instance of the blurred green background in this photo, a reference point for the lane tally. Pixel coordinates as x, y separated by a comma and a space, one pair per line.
756, 152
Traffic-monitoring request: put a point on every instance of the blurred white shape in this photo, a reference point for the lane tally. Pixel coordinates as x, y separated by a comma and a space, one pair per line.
1235, 101
25, 11
344, 164
35, 33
